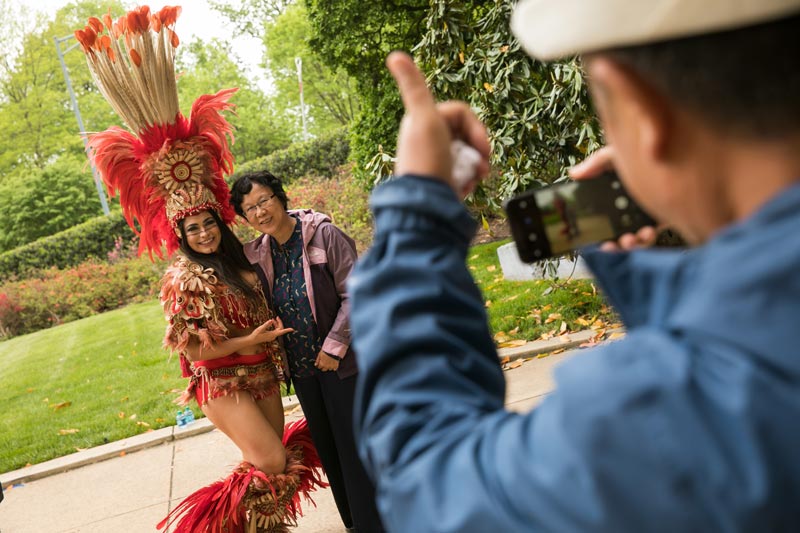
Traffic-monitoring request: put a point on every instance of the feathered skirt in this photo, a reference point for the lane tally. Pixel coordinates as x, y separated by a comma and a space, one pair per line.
255, 374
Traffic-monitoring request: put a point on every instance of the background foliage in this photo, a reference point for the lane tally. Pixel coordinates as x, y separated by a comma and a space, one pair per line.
320, 157
357, 39
94, 238
538, 115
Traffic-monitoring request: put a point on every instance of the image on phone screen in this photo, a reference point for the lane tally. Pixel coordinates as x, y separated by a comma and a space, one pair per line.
561, 218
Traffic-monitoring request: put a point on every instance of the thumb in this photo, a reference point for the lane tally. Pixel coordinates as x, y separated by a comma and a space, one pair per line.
410, 82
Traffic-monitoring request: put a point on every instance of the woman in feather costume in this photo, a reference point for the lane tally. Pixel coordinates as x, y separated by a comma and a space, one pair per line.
168, 171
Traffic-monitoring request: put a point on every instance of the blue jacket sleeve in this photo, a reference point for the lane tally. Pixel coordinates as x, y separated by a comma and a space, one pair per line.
429, 416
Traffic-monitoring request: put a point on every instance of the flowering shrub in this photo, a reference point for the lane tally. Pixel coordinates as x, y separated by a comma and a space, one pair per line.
124, 249
341, 197
56, 296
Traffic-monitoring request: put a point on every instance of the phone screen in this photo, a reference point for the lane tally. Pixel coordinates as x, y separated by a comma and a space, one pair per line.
555, 220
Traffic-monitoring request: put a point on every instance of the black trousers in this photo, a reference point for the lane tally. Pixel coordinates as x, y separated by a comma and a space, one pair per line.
327, 403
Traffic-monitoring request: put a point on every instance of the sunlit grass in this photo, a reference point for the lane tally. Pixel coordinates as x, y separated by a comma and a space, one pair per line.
85, 383
528, 310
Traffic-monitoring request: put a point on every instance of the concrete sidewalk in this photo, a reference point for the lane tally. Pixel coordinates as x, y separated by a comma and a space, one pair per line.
149, 474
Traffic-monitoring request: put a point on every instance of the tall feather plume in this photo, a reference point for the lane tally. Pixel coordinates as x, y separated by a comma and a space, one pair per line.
170, 167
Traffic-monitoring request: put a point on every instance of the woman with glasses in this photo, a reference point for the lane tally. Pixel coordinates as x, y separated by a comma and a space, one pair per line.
225, 333
306, 260
244, 356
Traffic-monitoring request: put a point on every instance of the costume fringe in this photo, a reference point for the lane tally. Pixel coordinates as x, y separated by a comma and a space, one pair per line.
250, 501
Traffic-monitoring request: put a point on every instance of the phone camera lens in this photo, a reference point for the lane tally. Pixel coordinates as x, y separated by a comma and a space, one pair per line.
528, 221
532, 237
523, 204
621, 203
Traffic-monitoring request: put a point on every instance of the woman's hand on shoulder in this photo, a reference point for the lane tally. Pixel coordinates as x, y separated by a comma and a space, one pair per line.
269, 331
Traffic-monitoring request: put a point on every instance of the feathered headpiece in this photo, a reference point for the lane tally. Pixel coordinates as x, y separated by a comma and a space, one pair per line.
167, 167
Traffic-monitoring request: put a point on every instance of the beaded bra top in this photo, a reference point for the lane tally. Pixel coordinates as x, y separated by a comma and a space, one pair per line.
196, 303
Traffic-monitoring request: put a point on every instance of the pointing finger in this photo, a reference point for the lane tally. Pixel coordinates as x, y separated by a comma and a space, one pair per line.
411, 83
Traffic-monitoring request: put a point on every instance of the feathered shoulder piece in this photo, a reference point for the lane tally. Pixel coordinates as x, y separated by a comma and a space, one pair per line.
190, 298
166, 167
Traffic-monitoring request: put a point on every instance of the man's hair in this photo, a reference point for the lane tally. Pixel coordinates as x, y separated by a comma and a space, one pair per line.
244, 184
743, 81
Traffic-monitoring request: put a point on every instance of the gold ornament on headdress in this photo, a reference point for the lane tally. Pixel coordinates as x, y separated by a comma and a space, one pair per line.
170, 166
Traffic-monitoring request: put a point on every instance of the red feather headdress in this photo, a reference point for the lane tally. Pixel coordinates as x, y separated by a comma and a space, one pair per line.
167, 167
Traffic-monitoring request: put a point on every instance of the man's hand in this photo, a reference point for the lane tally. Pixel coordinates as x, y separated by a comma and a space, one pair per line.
325, 362
601, 161
427, 129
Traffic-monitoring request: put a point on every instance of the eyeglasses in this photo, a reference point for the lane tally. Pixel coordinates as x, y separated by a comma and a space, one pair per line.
195, 229
261, 204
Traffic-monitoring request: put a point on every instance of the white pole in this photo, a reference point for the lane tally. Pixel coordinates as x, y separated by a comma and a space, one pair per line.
81, 130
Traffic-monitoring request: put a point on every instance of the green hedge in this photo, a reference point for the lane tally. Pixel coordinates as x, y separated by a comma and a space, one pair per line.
93, 238
319, 157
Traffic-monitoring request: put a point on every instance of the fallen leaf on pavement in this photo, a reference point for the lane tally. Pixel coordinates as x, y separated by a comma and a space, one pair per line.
512, 344
505, 360
615, 336
542, 355
514, 364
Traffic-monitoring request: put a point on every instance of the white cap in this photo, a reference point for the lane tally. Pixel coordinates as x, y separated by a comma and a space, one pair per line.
549, 29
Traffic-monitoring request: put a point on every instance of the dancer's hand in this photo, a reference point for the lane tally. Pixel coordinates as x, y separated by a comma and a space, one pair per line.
269, 331
325, 362
428, 129
601, 161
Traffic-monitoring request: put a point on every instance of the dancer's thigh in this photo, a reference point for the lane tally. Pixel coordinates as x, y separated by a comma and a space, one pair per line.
272, 408
242, 420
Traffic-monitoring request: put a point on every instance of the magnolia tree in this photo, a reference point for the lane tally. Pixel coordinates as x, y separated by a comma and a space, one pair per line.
538, 115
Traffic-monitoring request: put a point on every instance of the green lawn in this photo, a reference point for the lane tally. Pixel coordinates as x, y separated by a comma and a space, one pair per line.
529, 310
106, 377
85, 383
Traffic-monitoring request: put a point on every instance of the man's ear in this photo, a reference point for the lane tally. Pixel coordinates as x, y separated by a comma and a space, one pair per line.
630, 106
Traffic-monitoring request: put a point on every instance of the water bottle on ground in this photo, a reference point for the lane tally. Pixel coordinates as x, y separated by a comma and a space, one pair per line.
188, 416
180, 419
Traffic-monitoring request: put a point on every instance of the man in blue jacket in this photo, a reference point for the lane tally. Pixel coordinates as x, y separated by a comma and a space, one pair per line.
692, 422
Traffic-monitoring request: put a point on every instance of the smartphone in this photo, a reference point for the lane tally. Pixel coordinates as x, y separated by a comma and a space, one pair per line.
558, 219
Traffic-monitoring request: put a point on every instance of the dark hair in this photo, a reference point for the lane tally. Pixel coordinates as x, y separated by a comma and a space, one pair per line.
745, 81
244, 184
229, 260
